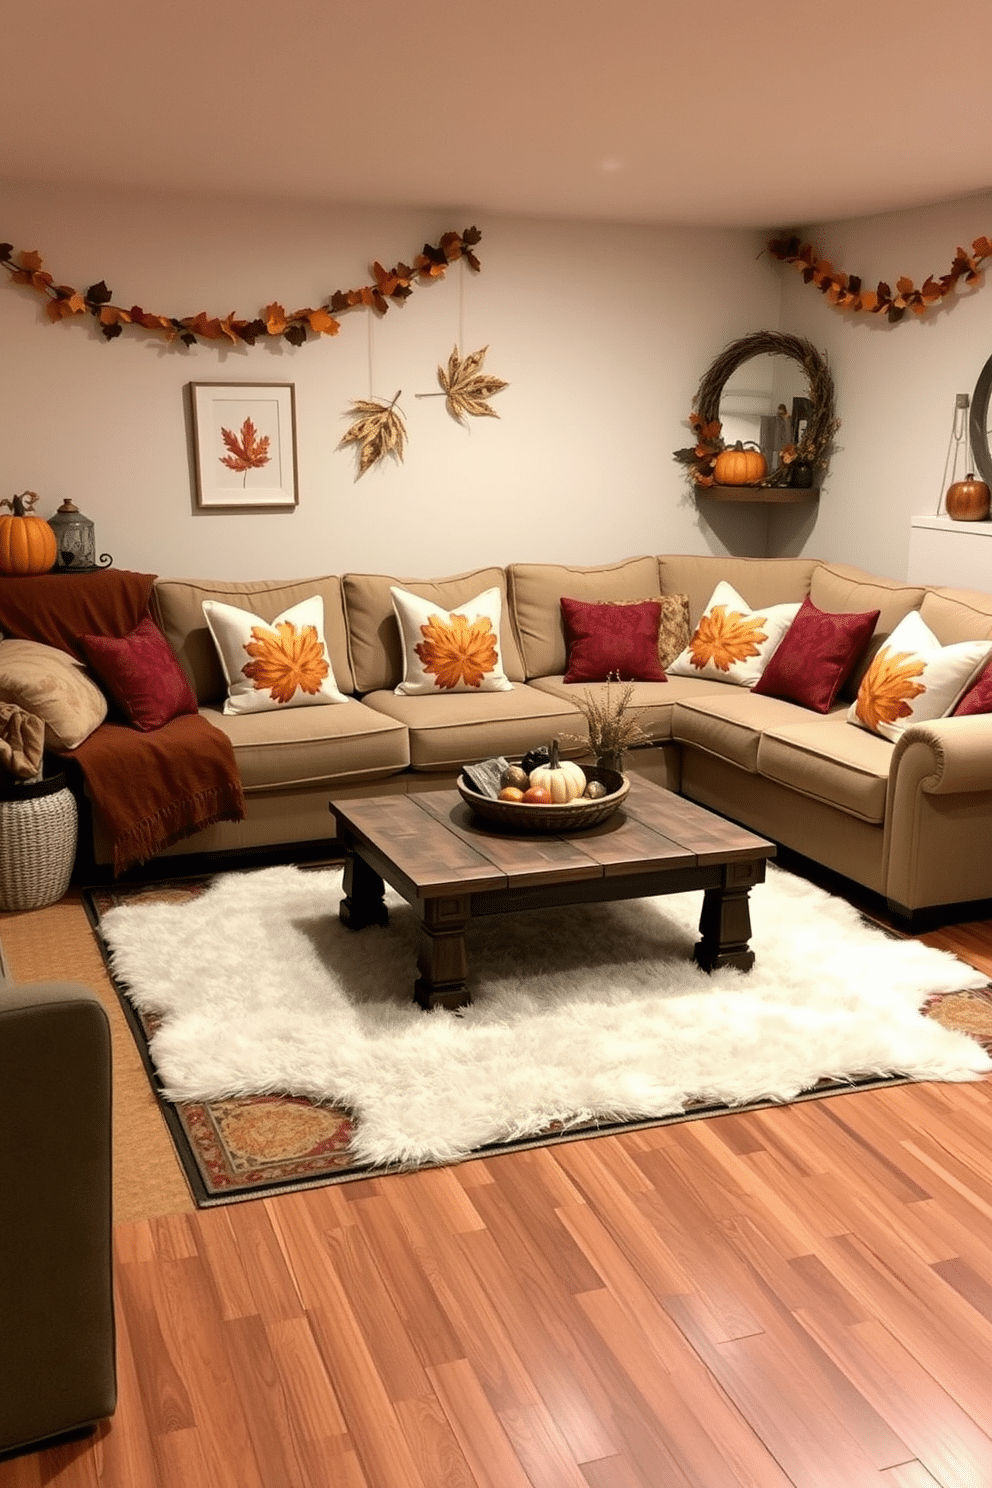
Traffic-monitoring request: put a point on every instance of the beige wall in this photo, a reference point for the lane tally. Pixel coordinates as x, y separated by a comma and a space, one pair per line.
895, 383
602, 332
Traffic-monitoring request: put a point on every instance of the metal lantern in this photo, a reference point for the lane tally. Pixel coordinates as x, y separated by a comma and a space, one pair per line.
74, 537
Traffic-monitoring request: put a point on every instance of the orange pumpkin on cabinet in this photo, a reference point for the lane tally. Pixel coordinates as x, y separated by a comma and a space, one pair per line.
968, 500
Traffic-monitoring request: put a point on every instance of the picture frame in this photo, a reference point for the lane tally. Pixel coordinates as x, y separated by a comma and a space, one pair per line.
244, 445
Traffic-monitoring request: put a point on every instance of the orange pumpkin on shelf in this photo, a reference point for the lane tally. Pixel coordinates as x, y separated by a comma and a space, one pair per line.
968, 500
27, 543
740, 466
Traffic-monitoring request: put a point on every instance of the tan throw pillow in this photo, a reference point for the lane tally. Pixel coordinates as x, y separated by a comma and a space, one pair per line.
450, 650
53, 686
732, 642
673, 627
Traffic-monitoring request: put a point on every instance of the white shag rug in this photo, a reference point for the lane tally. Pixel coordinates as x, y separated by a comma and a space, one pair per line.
595, 1011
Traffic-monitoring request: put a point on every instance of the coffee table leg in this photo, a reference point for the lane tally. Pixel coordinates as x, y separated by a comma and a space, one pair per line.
725, 925
443, 959
363, 903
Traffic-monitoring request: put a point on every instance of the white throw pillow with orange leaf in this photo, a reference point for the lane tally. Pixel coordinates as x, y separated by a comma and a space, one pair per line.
450, 650
913, 678
273, 664
732, 642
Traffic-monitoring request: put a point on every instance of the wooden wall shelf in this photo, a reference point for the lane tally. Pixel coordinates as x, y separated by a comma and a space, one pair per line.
760, 493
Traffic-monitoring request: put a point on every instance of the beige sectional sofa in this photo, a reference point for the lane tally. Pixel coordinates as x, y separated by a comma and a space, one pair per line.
910, 821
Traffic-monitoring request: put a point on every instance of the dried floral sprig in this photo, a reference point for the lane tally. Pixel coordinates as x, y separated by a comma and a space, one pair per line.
391, 286
612, 728
379, 431
844, 290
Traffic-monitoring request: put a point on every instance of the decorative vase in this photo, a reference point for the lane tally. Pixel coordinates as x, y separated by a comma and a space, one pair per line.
968, 500
612, 760
801, 476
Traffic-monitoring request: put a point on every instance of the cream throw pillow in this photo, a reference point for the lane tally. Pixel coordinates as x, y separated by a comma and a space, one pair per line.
53, 686
913, 678
275, 664
450, 650
732, 642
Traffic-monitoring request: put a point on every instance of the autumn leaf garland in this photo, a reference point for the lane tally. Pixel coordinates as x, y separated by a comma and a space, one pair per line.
844, 290
391, 286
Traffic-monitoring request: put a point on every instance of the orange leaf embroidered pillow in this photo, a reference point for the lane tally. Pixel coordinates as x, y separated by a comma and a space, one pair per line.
450, 650
275, 664
913, 678
732, 642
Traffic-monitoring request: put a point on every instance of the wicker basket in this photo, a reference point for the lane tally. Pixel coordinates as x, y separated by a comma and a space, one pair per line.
570, 816
39, 825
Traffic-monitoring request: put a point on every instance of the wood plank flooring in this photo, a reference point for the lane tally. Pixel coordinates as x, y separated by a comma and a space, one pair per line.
792, 1298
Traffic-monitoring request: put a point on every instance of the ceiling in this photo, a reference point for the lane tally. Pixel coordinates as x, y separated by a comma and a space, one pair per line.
741, 113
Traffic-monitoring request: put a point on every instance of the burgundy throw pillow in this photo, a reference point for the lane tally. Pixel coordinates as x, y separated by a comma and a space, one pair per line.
978, 699
605, 639
142, 675
816, 655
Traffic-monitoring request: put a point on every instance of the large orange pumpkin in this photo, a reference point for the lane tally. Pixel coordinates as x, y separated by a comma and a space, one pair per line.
27, 543
740, 466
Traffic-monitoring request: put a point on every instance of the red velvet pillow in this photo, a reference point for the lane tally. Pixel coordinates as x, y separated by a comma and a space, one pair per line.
142, 675
978, 698
815, 656
610, 638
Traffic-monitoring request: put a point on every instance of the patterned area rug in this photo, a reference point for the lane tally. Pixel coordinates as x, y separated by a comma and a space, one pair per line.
237, 1149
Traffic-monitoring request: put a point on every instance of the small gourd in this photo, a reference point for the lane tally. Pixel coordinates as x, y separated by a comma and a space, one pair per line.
595, 790
968, 500
563, 779
27, 543
516, 777
740, 466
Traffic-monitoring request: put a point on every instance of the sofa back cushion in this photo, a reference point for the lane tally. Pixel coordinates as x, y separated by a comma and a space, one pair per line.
957, 614
536, 591
375, 644
178, 607
839, 588
759, 581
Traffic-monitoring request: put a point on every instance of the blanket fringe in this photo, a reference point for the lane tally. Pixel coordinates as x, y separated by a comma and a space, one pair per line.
172, 823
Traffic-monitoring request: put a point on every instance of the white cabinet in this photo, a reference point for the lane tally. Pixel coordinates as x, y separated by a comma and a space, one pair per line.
950, 554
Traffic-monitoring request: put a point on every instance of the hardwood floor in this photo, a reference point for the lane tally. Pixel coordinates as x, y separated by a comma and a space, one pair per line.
798, 1296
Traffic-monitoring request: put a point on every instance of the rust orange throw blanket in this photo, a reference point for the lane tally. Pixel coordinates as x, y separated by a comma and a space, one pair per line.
154, 789
151, 789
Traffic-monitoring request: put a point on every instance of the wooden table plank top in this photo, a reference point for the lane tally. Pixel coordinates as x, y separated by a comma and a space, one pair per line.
430, 843
423, 860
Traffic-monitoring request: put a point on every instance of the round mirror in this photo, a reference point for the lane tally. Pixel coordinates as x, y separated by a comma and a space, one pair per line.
978, 424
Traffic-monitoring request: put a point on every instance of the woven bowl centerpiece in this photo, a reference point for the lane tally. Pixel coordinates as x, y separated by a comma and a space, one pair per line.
568, 816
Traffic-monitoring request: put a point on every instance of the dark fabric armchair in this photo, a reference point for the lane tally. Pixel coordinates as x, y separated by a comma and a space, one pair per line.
57, 1353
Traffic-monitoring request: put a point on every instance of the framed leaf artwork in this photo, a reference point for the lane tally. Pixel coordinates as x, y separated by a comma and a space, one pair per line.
244, 445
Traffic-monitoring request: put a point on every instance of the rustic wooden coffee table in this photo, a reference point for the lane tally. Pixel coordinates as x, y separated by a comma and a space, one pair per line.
449, 865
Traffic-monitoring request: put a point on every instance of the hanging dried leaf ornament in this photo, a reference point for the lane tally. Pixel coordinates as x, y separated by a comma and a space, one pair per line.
466, 389
379, 430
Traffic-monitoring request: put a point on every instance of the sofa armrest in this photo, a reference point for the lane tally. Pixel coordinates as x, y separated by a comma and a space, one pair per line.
949, 755
57, 1352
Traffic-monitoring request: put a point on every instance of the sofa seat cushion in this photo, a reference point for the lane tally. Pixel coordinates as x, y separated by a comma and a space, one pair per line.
446, 732
730, 723
308, 745
829, 761
653, 703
